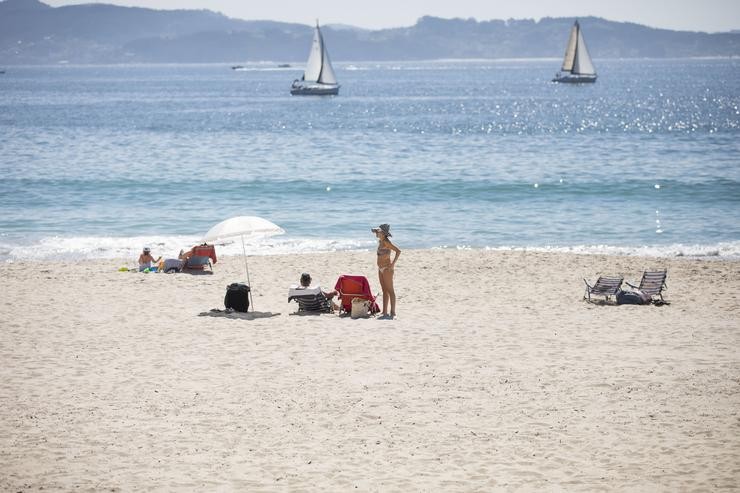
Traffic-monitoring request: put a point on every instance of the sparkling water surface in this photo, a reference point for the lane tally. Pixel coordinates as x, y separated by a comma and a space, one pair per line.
98, 161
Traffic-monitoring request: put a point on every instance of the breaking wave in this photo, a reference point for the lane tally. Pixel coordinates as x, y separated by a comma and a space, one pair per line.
59, 248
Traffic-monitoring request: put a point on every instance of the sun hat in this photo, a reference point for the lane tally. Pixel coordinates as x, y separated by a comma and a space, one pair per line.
147, 250
385, 228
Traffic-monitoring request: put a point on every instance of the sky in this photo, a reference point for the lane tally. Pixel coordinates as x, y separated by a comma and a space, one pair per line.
683, 15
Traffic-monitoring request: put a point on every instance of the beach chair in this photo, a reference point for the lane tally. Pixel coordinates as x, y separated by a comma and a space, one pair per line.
310, 299
652, 283
351, 287
605, 286
197, 262
205, 250
201, 256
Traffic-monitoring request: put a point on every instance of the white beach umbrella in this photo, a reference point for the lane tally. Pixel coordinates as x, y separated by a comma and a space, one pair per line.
243, 226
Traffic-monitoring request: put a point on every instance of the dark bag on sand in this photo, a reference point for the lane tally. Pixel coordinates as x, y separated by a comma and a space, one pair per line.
172, 265
237, 297
630, 298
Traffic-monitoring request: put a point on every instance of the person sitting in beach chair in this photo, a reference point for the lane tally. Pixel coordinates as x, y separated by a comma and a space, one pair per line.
198, 257
311, 299
351, 287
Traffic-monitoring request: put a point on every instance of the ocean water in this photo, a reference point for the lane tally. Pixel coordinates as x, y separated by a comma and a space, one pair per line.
97, 162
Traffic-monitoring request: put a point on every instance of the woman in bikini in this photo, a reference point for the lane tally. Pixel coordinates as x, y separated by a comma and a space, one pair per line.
385, 267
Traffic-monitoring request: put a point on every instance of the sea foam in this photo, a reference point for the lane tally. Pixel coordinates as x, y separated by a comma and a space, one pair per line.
58, 248
730, 250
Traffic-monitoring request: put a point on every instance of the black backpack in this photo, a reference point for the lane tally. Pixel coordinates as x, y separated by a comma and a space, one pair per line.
237, 297
630, 298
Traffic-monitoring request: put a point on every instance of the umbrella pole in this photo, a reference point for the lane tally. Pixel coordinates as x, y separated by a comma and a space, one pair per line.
246, 266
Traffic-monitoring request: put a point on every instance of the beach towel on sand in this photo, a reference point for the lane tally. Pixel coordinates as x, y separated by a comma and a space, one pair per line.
229, 313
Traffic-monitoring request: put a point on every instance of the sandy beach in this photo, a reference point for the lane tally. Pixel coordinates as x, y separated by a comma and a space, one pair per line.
495, 376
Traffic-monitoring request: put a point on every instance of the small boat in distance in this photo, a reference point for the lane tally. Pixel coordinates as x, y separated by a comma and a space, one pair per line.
577, 65
318, 78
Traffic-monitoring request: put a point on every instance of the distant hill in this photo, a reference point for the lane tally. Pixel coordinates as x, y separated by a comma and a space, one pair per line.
32, 32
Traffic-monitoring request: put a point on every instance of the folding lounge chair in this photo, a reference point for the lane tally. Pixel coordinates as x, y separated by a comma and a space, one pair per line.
351, 287
652, 283
605, 286
310, 300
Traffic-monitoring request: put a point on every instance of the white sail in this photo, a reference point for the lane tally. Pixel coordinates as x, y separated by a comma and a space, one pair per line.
582, 61
570, 49
318, 67
313, 66
327, 71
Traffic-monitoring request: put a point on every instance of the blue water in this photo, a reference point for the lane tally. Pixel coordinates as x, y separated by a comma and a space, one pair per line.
98, 161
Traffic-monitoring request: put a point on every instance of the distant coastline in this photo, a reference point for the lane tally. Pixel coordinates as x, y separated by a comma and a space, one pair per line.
36, 33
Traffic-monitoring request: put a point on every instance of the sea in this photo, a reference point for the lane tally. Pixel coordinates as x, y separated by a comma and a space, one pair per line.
97, 162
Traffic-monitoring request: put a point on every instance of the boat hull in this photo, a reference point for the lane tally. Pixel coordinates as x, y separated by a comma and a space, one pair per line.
575, 79
315, 90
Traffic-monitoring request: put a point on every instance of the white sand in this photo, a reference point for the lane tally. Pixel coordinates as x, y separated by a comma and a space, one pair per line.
496, 375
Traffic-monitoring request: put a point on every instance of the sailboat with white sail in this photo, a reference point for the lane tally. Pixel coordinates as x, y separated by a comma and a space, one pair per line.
318, 78
577, 64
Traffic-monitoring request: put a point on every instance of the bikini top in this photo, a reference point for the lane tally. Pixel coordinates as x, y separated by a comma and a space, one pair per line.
383, 251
